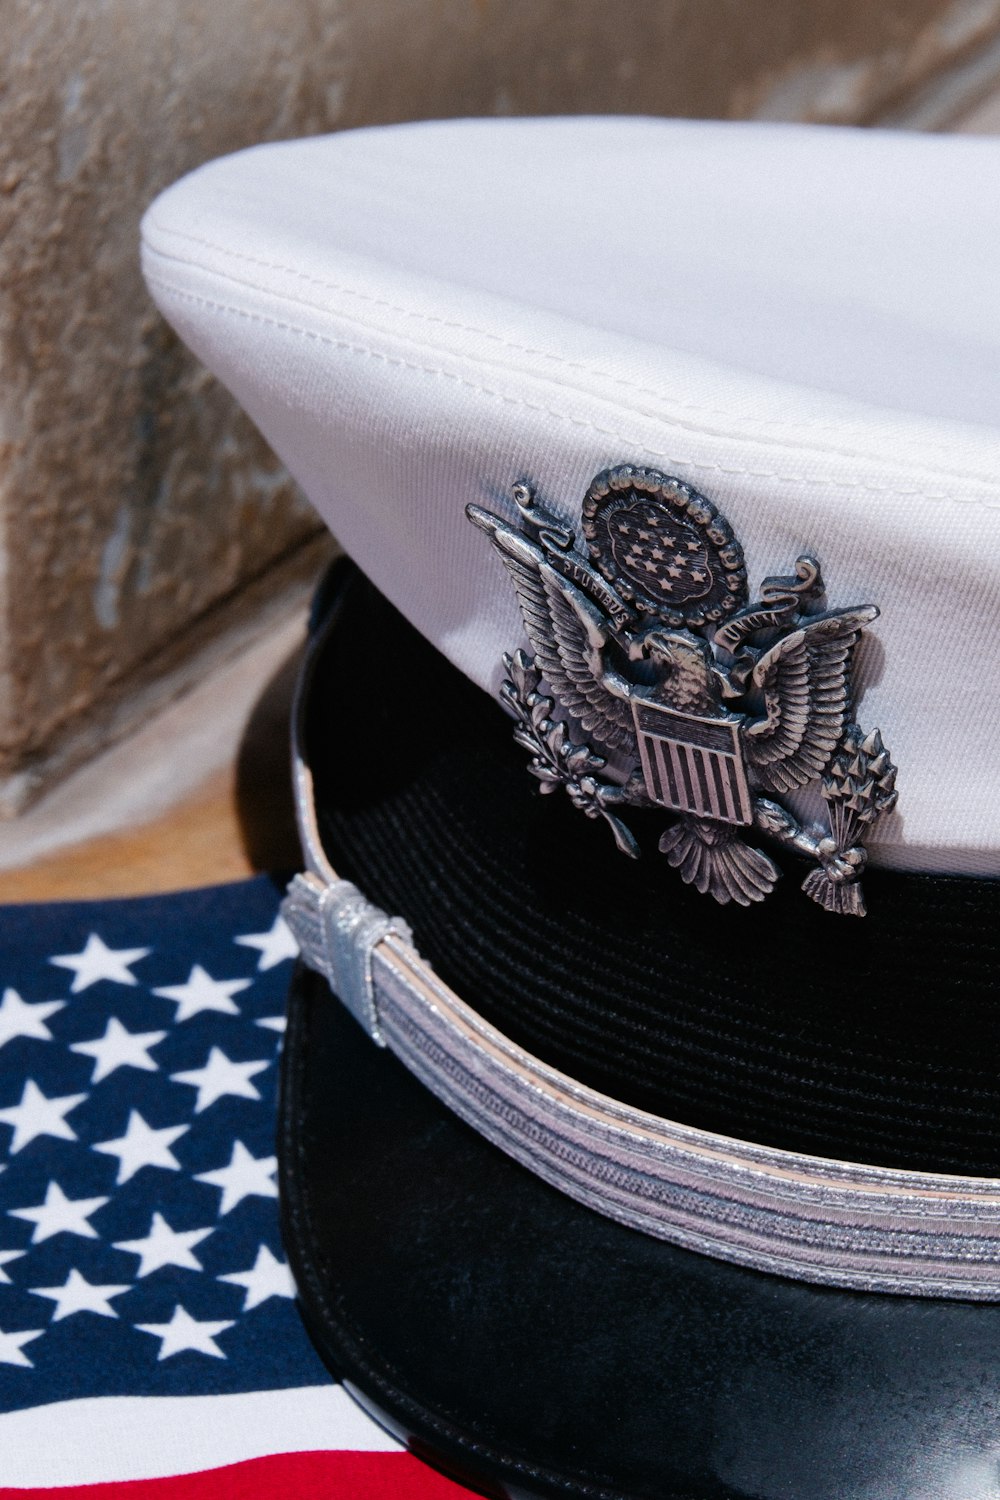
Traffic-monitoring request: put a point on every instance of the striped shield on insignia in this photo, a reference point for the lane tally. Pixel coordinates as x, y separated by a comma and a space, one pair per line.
692, 764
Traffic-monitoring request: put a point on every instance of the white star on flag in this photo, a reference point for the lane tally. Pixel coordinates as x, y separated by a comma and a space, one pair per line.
184, 1332
143, 1146
275, 945
202, 992
164, 1246
97, 961
246, 1176
268, 1277
271, 1023
39, 1115
119, 1048
221, 1076
11, 1345
60, 1215
77, 1295
6, 1256
18, 1018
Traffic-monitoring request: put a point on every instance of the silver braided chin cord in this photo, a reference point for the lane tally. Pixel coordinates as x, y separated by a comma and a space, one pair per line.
337, 931
841, 1224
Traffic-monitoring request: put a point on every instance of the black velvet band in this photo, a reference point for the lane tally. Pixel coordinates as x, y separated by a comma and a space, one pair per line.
875, 1040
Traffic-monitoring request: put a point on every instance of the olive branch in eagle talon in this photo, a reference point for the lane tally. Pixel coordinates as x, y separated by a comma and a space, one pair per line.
555, 760
703, 703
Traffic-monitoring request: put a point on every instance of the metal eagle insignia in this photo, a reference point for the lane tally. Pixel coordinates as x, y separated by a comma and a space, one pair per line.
693, 698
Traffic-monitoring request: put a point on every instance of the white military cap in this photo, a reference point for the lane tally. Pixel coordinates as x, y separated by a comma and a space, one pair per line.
721, 404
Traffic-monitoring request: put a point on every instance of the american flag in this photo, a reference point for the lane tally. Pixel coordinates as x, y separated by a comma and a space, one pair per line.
149, 1344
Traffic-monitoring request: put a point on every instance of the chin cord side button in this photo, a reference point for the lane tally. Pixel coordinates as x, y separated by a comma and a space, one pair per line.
337, 930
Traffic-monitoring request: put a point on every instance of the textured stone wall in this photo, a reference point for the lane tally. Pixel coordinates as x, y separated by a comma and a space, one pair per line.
138, 509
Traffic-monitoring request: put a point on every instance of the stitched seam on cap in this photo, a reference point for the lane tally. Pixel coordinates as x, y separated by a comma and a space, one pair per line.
560, 416
583, 366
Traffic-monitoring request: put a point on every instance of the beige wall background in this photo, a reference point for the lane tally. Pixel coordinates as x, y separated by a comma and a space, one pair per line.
145, 530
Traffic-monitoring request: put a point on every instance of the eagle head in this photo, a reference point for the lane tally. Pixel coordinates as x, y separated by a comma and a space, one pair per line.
685, 673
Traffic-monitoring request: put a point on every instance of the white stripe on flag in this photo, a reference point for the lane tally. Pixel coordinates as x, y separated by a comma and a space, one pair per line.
102, 1438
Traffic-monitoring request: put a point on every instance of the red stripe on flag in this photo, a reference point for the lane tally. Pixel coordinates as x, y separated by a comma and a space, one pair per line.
293, 1476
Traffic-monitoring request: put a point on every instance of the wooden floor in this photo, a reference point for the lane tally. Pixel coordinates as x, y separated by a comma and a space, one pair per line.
203, 841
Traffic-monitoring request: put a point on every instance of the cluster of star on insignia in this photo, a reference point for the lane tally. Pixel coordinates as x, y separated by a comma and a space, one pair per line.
644, 545
138, 1134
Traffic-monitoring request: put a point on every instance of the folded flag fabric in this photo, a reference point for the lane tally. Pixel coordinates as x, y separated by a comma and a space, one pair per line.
149, 1344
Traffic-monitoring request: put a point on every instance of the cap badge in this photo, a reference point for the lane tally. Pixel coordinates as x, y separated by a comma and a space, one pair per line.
707, 705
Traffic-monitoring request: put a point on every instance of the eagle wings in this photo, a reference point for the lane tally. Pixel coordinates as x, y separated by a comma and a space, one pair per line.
570, 636
708, 705
806, 687
796, 704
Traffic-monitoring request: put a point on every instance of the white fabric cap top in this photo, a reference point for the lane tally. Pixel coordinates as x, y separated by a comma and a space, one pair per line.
802, 323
